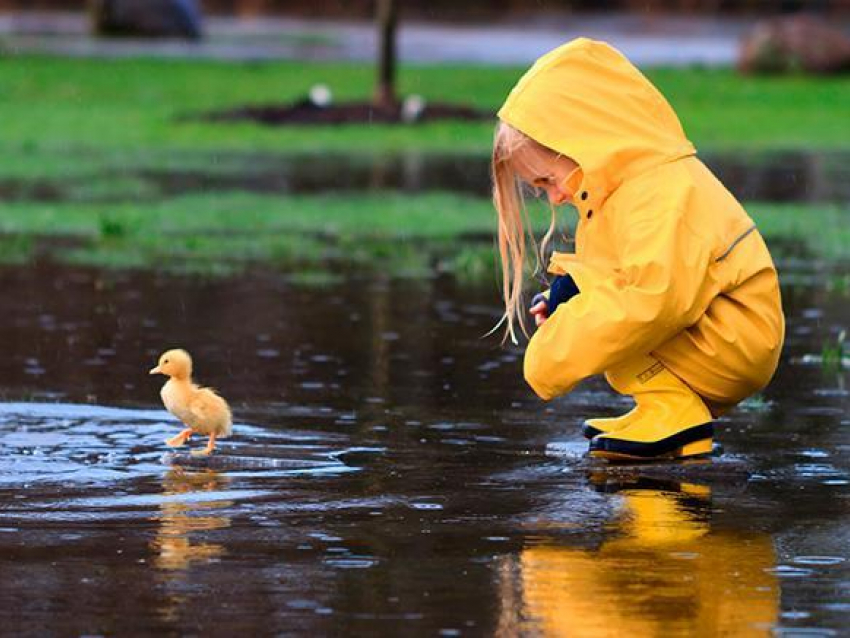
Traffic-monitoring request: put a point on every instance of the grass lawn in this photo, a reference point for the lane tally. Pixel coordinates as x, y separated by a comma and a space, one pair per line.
413, 236
88, 124
76, 116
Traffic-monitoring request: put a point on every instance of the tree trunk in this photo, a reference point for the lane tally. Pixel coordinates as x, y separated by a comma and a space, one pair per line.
387, 14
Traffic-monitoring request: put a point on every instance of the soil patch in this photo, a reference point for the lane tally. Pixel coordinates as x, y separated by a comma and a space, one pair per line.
307, 112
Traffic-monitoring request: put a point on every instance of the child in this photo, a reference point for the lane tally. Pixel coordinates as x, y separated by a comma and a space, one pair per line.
671, 291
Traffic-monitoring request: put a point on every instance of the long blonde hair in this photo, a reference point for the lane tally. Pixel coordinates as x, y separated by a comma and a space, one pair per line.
514, 227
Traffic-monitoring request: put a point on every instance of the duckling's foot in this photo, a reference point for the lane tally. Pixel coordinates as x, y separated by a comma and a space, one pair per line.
208, 449
179, 439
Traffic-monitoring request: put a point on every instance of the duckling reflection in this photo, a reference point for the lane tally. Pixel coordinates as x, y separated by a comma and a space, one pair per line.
665, 572
181, 520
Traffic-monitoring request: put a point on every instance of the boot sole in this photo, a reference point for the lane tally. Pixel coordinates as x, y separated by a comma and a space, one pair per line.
588, 431
698, 448
695, 441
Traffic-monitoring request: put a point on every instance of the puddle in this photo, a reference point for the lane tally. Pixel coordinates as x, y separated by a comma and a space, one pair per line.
70, 443
389, 472
784, 176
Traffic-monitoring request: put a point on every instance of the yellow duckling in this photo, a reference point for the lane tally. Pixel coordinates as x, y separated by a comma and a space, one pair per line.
200, 409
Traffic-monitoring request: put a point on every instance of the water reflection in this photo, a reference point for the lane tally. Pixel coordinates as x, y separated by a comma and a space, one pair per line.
183, 539
386, 460
661, 570
787, 176
180, 541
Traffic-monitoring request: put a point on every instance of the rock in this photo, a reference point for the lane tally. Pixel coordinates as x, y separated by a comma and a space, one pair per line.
799, 43
320, 95
147, 18
412, 109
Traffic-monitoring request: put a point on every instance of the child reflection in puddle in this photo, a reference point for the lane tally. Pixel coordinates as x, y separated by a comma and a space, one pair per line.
663, 570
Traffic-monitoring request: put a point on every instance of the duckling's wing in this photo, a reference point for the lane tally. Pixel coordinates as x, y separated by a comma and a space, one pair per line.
200, 409
205, 404
210, 411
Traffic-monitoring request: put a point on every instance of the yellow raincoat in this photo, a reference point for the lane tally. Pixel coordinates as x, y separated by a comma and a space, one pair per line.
667, 261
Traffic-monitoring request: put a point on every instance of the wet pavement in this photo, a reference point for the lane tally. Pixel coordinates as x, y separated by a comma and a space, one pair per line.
389, 472
647, 38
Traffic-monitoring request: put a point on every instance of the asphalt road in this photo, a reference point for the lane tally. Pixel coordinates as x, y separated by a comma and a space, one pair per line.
649, 40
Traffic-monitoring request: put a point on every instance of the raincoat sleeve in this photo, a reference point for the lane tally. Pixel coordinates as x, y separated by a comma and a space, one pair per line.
659, 289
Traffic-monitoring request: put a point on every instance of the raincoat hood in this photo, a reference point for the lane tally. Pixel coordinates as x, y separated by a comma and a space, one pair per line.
585, 100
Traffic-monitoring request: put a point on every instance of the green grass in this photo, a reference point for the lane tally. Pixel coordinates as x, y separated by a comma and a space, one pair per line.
77, 116
416, 236
379, 216
834, 353
226, 231
721, 109
820, 230
87, 126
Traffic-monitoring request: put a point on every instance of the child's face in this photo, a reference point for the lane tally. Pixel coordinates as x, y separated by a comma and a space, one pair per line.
543, 169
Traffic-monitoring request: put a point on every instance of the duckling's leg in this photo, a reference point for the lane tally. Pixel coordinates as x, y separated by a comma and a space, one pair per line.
207, 450
179, 439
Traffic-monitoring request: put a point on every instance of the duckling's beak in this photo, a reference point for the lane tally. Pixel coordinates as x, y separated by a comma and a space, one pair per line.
155, 370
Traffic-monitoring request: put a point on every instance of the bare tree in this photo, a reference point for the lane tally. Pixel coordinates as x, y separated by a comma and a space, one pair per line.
387, 20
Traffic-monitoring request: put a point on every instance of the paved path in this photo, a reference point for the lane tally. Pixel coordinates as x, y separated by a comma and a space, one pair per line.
649, 41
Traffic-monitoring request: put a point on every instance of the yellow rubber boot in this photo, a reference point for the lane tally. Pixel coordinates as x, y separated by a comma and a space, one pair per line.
594, 427
671, 420
619, 380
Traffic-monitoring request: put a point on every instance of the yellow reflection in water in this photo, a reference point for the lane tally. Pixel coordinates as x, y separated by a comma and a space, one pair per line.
183, 522
664, 573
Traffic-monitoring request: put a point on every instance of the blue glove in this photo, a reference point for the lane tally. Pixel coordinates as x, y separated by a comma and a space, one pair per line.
563, 289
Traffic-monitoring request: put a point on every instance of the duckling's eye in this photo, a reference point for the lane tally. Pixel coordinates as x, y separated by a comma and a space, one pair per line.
166, 361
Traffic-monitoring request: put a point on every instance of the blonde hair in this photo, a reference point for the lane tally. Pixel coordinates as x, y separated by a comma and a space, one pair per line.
514, 227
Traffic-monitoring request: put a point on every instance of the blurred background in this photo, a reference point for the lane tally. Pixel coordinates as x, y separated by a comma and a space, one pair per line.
298, 193
441, 9
120, 112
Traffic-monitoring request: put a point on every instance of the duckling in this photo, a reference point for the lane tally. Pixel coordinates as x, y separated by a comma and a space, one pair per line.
201, 410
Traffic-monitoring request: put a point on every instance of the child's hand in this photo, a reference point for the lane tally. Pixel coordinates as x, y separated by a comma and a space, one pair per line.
562, 290
539, 310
